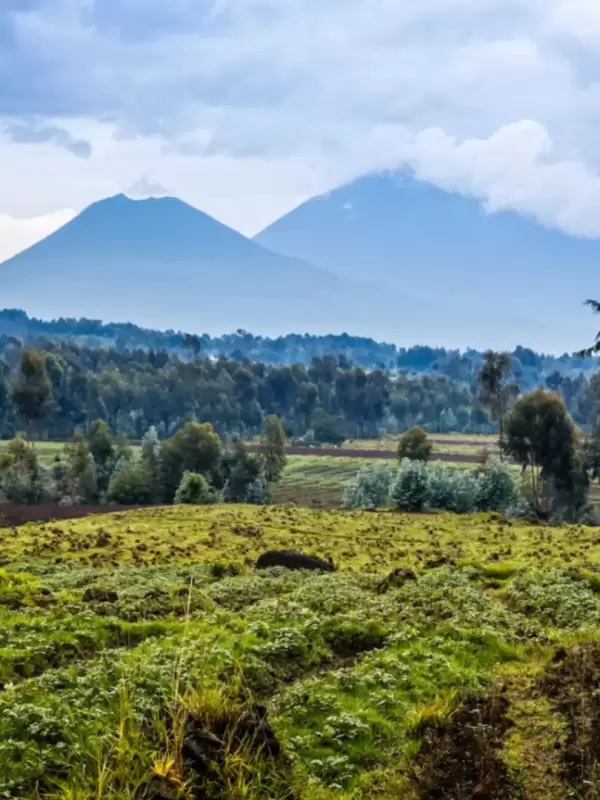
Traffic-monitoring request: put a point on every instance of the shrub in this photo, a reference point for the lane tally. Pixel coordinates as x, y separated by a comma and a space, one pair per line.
129, 484
492, 488
194, 491
410, 488
497, 489
441, 488
465, 486
415, 445
370, 488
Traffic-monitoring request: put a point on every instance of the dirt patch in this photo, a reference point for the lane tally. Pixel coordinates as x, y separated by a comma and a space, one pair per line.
11, 516
572, 683
461, 759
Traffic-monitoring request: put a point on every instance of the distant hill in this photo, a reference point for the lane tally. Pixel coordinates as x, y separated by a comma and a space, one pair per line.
162, 264
420, 239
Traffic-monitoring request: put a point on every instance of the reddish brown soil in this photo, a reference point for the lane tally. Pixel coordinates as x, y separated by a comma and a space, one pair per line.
12, 516
389, 455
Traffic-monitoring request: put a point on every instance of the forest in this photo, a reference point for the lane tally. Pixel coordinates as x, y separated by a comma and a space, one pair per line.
531, 369
327, 401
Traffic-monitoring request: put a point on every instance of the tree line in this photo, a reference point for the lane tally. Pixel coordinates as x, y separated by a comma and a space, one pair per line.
51, 392
55, 389
529, 368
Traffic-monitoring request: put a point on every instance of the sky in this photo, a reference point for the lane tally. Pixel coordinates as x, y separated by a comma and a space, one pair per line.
245, 108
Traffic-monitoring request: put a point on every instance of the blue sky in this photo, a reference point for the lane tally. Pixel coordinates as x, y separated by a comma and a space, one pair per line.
246, 107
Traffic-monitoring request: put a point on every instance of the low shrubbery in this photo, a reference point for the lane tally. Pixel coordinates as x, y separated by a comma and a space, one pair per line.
191, 467
416, 487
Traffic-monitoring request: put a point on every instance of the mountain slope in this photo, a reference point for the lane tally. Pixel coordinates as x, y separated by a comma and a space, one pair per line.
415, 237
161, 263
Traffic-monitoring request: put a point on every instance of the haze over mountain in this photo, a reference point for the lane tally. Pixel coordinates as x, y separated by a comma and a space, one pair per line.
414, 237
163, 264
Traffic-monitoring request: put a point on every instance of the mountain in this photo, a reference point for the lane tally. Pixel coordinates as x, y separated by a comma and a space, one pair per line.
416, 238
161, 263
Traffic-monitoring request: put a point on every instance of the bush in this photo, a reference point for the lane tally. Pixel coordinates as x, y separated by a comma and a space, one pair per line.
464, 486
129, 484
441, 488
463, 491
497, 488
22, 479
194, 491
370, 488
415, 445
411, 487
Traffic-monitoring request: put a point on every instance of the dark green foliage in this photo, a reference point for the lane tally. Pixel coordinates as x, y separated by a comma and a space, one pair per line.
32, 390
102, 449
83, 471
194, 448
22, 479
130, 483
133, 389
244, 476
273, 449
542, 438
415, 445
327, 429
194, 491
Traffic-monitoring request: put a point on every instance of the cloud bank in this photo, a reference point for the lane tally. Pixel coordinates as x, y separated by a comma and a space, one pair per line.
246, 107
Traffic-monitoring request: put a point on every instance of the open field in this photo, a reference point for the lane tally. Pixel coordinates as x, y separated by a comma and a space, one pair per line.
142, 657
317, 481
444, 444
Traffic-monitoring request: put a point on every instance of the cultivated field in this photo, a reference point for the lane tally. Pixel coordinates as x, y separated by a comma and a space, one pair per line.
143, 657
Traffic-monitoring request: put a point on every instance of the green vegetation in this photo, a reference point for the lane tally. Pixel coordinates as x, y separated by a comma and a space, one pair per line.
58, 387
415, 445
100, 469
141, 656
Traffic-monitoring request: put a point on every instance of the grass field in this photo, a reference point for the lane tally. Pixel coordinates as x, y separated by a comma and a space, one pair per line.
142, 657
317, 481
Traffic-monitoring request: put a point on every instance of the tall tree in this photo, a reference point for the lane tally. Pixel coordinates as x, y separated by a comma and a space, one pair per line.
32, 391
194, 448
273, 449
82, 469
496, 389
542, 438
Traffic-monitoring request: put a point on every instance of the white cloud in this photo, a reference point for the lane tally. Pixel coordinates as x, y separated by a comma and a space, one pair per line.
246, 107
513, 169
578, 18
17, 234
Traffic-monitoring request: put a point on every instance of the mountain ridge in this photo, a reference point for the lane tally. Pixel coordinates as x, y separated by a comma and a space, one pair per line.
443, 245
161, 263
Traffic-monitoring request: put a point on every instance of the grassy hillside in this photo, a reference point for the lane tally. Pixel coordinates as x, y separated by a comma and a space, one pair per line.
142, 656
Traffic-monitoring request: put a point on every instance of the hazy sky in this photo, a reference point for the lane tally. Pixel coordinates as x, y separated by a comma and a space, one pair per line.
246, 107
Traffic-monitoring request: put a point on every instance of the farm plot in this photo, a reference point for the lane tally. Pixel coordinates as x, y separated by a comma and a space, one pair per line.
142, 656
